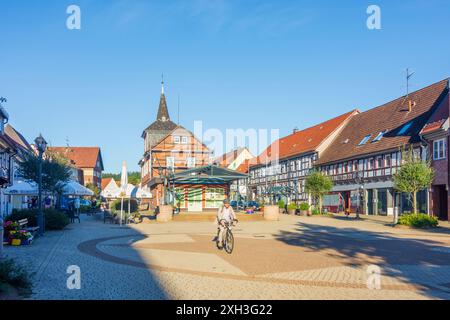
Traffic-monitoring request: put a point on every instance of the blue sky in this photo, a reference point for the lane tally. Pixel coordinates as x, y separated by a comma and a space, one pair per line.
235, 64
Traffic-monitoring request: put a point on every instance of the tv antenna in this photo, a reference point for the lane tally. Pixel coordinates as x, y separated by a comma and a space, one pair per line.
409, 74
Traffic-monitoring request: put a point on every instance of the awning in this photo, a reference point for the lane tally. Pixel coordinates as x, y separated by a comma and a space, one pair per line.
210, 174
22, 188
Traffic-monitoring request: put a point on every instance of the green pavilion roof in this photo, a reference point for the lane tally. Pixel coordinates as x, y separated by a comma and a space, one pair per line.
210, 174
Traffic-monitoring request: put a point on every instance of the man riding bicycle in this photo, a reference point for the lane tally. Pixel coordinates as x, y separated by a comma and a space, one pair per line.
225, 215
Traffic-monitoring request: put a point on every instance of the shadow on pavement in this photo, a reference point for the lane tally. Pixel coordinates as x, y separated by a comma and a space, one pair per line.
413, 260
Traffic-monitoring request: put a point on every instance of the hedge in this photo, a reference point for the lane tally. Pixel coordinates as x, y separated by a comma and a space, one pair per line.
419, 220
54, 219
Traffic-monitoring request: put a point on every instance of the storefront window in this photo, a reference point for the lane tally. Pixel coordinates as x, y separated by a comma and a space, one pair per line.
214, 197
407, 202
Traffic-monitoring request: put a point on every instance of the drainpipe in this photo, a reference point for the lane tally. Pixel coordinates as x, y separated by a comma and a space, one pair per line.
424, 146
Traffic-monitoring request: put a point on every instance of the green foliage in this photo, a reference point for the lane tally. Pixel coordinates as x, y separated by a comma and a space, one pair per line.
14, 275
419, 220
413, 176
317, 185
304, 206
94, 189
281, 204
134, 177
54, 219
315, 212
116, 204
55, 172
292, 206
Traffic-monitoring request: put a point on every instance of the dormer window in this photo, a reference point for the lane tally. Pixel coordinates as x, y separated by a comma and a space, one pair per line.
184, 140
405, 129
176, 139
365, 139
379, 136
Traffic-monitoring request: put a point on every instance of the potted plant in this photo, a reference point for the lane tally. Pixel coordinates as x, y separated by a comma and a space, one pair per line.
292, 209
281, 206
304, 209
20, 237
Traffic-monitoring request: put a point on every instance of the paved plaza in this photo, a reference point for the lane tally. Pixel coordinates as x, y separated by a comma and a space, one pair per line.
294, 258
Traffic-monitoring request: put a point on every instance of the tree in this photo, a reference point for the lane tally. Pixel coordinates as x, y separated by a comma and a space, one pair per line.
134, 177
94, 189
55, 173
317, 185
414, 175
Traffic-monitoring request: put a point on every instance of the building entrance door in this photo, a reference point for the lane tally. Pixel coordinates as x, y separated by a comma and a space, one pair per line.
440, 204
370, 199
195, 199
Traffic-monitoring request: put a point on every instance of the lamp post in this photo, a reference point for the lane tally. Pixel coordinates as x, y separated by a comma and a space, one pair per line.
41, 146
360, 181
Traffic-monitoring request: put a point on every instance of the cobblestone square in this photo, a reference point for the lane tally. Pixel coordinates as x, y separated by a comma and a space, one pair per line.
294, 258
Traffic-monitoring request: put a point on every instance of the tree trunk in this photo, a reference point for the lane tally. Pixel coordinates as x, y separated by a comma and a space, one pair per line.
320, 204
415, 202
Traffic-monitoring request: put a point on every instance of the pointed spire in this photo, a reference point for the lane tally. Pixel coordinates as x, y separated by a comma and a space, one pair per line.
163, 112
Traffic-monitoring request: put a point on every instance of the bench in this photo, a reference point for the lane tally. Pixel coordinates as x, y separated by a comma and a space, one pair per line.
107, 216
23, 224
73, 215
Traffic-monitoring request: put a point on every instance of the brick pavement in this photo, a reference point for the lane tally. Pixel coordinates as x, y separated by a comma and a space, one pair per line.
295, 258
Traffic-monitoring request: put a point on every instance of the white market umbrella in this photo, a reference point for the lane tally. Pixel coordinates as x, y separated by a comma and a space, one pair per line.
123, 186
73, 188
142, 193
22, 188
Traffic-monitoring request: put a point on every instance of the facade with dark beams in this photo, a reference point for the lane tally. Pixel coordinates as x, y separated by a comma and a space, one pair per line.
368, 151
288, 161
170, 150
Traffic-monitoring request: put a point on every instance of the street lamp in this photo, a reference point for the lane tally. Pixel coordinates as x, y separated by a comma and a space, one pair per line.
41, 146
360, 181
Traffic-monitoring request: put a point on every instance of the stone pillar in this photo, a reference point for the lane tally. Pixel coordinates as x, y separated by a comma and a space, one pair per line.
165, 214
271, 213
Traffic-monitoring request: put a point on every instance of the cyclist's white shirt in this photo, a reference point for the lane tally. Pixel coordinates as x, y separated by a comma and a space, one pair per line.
226, 214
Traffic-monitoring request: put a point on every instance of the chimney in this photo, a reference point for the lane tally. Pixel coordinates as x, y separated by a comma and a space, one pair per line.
411, 104
295, 130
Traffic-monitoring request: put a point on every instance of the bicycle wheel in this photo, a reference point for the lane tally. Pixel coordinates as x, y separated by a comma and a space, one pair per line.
229, 242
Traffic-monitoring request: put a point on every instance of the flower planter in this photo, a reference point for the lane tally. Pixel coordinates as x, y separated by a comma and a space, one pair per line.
292, 212
16, 242
165, 214
26, 242
271, 213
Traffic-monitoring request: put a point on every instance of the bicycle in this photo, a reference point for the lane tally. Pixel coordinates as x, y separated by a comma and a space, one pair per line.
228, 238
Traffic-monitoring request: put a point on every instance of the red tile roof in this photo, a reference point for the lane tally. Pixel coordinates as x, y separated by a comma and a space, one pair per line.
243, 168
438, 118
391, 117
226, 159
105, 182
303, 141
81, 157
17, 137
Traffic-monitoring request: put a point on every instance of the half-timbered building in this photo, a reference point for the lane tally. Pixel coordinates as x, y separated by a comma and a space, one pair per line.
288, 161
368, 151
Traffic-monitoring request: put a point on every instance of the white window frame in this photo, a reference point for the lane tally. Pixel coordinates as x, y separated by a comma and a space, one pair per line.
176, 139
439, 147
184, 140
190, 162
365, 140
170, 162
